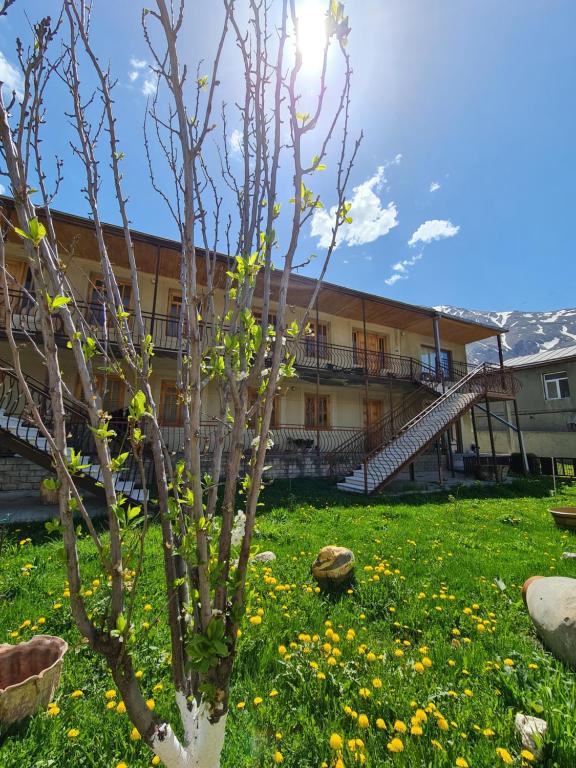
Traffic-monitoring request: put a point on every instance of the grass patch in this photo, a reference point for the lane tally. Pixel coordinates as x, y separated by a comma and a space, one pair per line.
424, 634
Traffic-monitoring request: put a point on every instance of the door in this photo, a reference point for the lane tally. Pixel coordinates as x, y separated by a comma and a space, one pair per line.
376, 348
372, 415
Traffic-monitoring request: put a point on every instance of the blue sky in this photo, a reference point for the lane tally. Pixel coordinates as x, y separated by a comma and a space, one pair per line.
469, 115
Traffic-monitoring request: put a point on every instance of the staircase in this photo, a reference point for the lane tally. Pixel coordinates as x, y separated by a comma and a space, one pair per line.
19, 434
389, 449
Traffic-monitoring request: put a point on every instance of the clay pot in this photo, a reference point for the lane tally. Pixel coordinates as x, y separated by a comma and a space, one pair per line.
564, 517
29, 676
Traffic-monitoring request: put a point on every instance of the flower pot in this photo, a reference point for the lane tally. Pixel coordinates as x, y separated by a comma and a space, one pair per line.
29, 676
564, 517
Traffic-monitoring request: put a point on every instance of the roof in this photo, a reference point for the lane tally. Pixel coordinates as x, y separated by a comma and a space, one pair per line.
542, 358
155, 251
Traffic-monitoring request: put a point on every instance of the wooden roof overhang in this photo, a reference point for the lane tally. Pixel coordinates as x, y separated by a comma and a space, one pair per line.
158, 255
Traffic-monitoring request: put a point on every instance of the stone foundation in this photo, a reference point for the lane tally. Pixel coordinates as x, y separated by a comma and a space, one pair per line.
19, 474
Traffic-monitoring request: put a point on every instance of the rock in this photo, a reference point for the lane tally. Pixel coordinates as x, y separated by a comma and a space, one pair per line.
551, 603
568, 555
532, 731
264, 557
334, 566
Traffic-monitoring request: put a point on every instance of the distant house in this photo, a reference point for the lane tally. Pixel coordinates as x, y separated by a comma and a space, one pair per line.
546, 406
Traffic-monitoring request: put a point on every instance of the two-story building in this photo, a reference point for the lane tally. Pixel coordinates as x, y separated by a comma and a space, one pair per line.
369, 366
546, 405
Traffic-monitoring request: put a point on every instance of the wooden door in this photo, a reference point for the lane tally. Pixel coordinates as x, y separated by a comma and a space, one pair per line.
372, 415
376, 347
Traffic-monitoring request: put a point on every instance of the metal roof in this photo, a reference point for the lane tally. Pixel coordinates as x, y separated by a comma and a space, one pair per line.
542, 357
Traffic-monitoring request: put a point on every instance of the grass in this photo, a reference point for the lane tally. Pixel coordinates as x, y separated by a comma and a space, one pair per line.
426, 571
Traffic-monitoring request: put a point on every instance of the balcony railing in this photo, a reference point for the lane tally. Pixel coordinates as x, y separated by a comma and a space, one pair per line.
312, 357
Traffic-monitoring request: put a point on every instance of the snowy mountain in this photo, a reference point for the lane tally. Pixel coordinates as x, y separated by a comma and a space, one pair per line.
528, 332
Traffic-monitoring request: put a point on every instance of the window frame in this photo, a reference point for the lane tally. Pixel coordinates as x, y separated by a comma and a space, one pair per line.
310, 397
559, 376
165, 386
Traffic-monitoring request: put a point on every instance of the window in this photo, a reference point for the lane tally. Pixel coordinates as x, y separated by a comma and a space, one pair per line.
97, 297
556, 386
274, 419
170, 414
174, 309
112, 390
428, 359
258, 317
317, 338
316, 411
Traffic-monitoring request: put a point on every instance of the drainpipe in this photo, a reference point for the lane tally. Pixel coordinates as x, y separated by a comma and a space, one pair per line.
501, 359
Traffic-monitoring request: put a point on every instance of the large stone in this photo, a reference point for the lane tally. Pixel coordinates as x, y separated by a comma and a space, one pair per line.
264, 557
532, 731
551, 603
334, 566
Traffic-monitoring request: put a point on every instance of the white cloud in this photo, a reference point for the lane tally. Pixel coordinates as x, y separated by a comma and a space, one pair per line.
433, 229
434, 187
369, 220
138, 63
10, 76
150, 85
401, 269
2, 189
235, 140
133, 75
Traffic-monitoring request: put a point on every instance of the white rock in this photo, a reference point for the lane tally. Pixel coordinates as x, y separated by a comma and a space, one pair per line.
264, 557
551, 603
532, 731
568, 555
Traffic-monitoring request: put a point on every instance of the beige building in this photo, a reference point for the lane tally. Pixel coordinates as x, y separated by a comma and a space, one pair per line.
369, 366
546, 406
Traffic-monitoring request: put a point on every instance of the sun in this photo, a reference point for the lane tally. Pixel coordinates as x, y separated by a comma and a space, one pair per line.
311, 16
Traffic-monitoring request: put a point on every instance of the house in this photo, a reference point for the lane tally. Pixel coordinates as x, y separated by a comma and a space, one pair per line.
546, 405
369, 366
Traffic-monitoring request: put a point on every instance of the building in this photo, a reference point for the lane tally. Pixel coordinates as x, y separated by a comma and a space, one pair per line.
546, 406
369, 366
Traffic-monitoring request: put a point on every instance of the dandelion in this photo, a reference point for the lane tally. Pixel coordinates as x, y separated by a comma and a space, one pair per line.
377, 683
468, 692
488, 732
504, 755
255, 620
335, 741
135, 734
508, 663
147, 607
398, 653
443, 724
365, 693
363, 721
53, 709
241, 705
527, 755
76, 694
418, 667
273, 693
257, 701
416, 730
400, 726
278, 757
395, 745
139, 674
461, 762
122, 765
121, 708
380, 724
155, 760
282, 650
73, 733
111, 694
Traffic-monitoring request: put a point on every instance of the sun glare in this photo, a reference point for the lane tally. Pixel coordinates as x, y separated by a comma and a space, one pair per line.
311, 32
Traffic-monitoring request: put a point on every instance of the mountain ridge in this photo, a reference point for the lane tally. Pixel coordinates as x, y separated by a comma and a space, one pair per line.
527, 332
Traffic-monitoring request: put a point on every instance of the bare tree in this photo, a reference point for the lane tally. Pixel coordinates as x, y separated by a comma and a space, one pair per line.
231, 250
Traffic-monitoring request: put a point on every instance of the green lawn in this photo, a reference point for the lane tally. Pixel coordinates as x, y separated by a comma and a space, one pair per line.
425, 596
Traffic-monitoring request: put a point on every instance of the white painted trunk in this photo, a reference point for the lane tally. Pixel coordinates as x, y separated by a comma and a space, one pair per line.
203, 740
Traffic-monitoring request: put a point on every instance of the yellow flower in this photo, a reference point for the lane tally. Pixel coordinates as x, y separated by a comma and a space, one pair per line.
282, 650
273, 693
158, 687
150, 703
110, 705
419, 667
135, 734
155, 760
76, 694
331, 661
427, 662
395, 745
443, 724
377, 683
147, 607
121, 708
255, 620
363, 721
335, 741
380, 724
421, 715
370, 656
504, 755
257, 700
416, 730
527, 755
111, 694
365, 693
488, 732
122, 765
339, 763
241, 705
53, 709
278, 757
398, 652
41, 620
321, 676
400, 726
72, 733
461, 762
508, 663
468, 692
139, 674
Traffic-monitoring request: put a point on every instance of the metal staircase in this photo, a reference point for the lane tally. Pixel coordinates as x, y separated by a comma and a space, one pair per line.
397, 439
19, 434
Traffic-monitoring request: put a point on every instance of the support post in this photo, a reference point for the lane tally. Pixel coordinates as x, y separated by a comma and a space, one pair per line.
448, 438
439, 461
475, 431
438, 347
501, 359
525, 464
491, 433
155, 296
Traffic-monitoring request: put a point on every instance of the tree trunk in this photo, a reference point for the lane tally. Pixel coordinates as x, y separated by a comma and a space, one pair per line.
204, 739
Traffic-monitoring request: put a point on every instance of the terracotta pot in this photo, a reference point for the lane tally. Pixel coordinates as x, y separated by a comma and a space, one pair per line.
564, 517
29, 676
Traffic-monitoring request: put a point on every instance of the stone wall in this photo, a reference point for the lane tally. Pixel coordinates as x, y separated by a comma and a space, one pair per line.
19, 474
